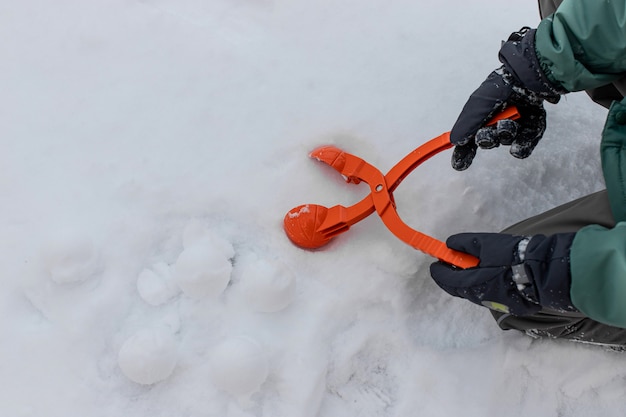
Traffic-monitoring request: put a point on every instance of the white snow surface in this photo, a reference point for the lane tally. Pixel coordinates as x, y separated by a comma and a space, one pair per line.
133, 131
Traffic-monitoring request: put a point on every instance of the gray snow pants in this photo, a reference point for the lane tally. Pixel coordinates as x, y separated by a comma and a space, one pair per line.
570, 217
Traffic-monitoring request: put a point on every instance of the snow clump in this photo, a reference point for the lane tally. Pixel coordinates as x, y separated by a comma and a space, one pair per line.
239, 366
203, 269
268, 285
156, 285
148, 356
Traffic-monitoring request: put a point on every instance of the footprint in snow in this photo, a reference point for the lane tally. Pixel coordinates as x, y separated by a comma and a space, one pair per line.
64, 278
69, 257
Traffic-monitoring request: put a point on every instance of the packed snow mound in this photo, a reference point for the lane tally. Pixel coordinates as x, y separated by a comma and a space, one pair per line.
148, 356
203, 270
239, 366
156, 285
204, 267
268, 285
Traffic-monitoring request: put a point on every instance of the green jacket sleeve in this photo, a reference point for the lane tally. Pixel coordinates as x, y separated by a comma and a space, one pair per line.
598, 255
598, 268
583, 44
613, 154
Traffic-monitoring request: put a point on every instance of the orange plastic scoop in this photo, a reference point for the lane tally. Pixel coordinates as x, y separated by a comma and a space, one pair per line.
312, 226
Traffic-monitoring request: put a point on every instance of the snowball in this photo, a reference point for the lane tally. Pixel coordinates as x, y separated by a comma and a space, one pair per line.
239, 366
149, 356
69, 257
269, 286
156, 285
203, 270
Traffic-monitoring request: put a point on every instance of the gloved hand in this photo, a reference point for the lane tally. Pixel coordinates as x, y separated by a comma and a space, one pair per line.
516, 274
519, 82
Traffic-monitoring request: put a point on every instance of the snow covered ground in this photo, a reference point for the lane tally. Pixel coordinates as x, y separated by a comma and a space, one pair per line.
150, 149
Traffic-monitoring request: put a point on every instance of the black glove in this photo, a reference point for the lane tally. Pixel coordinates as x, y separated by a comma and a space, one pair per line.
516, 274
520, 82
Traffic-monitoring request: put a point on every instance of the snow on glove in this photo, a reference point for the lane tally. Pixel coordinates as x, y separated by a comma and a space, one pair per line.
519, 82
516, 274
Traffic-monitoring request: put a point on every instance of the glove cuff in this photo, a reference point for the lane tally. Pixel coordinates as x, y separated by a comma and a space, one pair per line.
547, 264
520, 59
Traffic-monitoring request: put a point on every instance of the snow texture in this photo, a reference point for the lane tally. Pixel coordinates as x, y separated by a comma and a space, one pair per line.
150, 149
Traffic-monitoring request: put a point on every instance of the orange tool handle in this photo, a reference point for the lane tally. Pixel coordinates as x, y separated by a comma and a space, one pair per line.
414, 238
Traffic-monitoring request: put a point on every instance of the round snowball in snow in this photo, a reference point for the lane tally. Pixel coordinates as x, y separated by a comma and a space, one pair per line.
239, 366
149, 356
155, 285
269, 286
69, 257
203, 270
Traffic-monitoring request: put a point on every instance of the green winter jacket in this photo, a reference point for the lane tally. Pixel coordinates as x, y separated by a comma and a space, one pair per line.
582, 46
